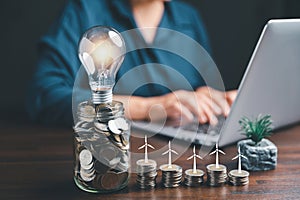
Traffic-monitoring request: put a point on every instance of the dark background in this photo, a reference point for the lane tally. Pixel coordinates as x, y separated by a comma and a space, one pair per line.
233, 25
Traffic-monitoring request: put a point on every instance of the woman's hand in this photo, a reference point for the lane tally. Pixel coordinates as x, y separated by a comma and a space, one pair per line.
205, 104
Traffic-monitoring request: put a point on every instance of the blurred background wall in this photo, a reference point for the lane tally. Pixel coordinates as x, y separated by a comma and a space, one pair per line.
233, 26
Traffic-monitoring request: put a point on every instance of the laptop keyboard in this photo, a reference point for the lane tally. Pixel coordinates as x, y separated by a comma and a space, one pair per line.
205, 128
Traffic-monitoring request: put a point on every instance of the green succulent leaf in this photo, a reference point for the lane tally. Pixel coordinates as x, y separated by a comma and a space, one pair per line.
256, 129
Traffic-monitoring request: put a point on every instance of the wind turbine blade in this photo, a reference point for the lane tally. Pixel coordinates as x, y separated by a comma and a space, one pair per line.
189, 158
174, 152
222, 152
141, 147
149, 145
213, 152
199, 157
164, 153
244, 157
235, 157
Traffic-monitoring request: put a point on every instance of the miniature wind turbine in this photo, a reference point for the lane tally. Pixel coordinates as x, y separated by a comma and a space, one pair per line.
146, 145
194, 162
240, 160
217, 154
170, 151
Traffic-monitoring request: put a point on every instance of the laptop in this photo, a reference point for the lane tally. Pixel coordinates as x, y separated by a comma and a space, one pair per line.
270, 85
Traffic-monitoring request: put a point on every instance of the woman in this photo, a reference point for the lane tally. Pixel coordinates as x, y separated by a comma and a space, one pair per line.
50, 94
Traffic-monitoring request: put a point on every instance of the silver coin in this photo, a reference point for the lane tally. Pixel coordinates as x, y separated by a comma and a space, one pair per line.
87, 125
147, 175
87, 109
87, 173
122, 124
170, 168
114, 161
85, 157
87, 178
79, 124
125, 142
101, 126
122, 166
235, 173
190, 172
80, 129
171, 185
87, 167
143, 163
117, 138
143, 179
193, 183
113, 127
86, 119
214, 168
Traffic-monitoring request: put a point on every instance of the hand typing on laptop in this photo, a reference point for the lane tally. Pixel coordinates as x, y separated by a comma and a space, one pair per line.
205, 104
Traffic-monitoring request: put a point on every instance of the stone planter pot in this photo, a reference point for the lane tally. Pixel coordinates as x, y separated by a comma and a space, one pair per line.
261, 157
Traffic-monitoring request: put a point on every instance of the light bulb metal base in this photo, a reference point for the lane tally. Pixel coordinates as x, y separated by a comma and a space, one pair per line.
102, 96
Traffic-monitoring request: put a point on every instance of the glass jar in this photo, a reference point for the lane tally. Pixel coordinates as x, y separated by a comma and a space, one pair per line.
101, 147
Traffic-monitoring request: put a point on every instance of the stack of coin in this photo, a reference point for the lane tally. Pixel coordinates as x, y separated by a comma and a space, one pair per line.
171, 175
238, 178
87, 171
193, 179
216, 176
146, 174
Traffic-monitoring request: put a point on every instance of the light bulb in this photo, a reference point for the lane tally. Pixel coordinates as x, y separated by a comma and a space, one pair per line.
101, 52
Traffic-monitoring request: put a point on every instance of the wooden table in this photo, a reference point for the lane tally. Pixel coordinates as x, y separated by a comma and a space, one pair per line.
37, 163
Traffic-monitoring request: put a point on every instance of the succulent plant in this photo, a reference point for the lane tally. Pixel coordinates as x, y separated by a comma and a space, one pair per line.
256, 129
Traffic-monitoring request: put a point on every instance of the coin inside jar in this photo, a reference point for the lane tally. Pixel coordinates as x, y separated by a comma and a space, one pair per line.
101, 126
87, 167
104, 113
108, 152
85, 157
109, 181
113, 127
122, 124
